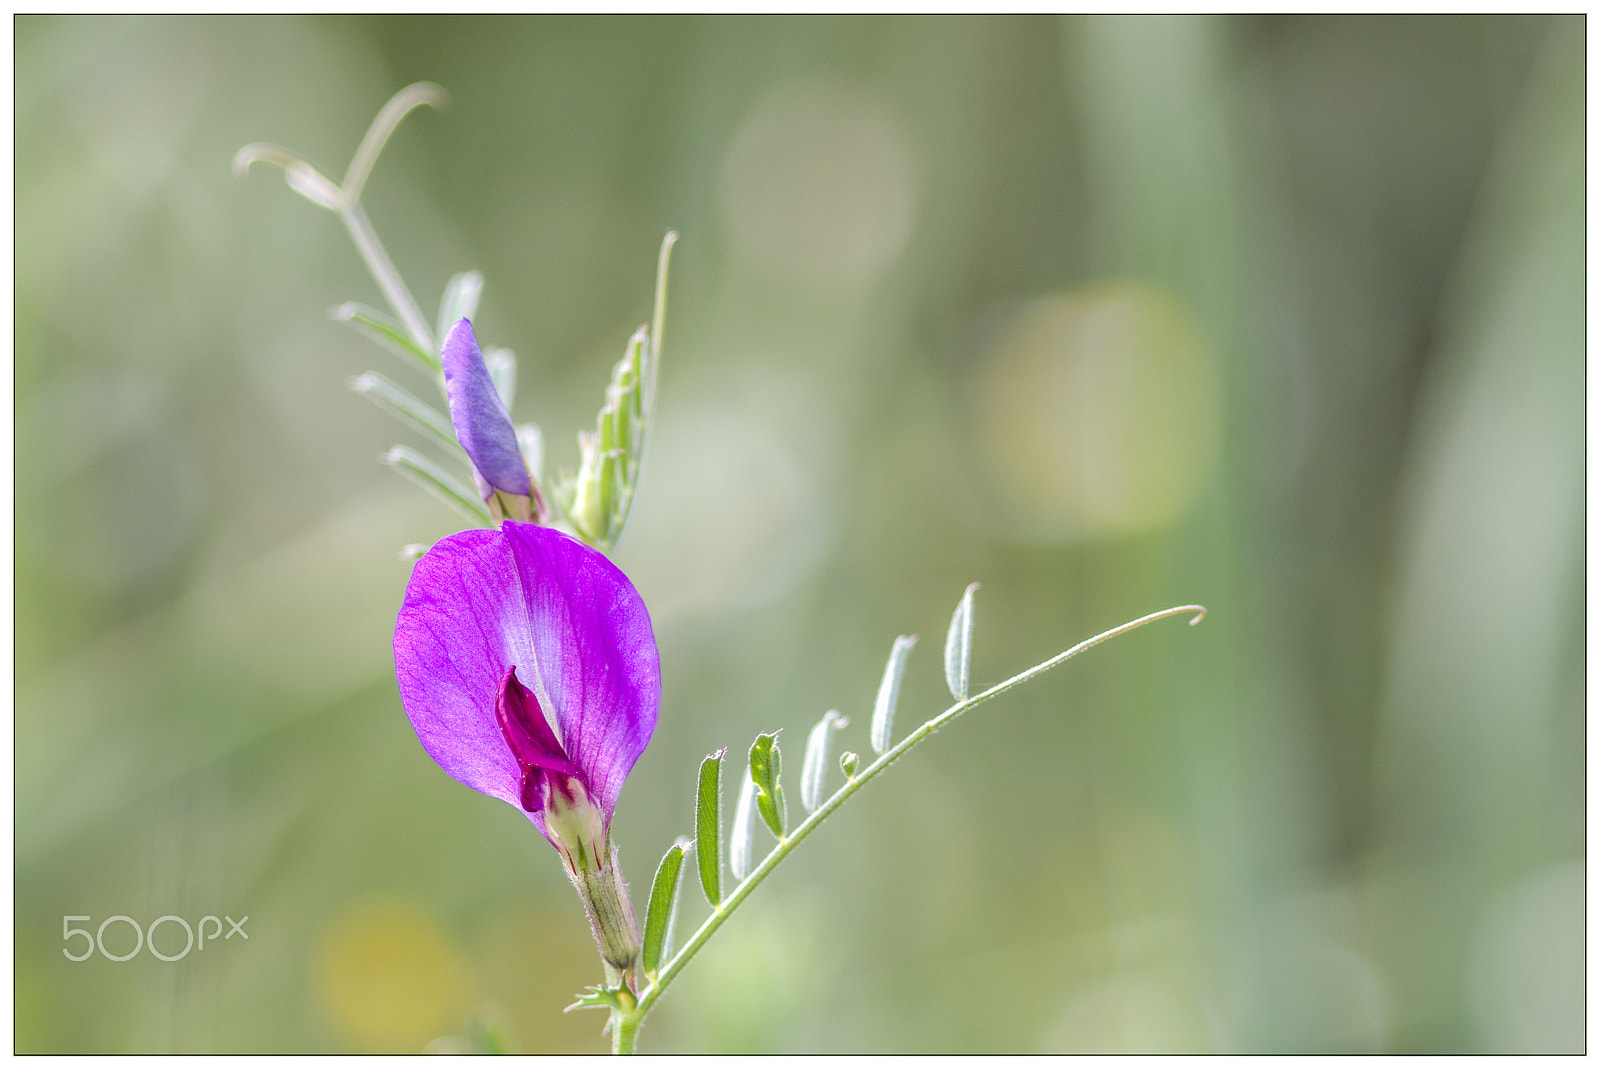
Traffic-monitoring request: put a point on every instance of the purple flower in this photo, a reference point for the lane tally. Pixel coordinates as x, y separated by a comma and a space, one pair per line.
483, 427
528, 667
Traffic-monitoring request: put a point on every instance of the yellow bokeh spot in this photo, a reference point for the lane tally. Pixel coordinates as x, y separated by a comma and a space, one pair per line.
1096, 414
389, 977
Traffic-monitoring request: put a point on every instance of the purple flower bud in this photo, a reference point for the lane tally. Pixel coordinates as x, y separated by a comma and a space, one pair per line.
528, 667
483, 426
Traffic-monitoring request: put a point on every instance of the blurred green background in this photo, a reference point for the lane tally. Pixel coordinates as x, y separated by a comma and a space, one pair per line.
1280, 315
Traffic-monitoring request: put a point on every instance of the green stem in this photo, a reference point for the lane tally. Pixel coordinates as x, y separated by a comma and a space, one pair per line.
355, 218
625, 1023
625, 1031
384, 273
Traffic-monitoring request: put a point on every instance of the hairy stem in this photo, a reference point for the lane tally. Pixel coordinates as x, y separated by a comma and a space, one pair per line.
625, 1032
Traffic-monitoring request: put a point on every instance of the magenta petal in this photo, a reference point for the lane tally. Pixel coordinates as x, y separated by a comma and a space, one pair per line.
483, 426
483, 602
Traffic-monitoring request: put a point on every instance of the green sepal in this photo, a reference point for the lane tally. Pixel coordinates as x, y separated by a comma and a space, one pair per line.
814, 770
460, 300
765, 769
958, 647
400, 402
848, 762
387, 333
436, 481
889, 693
663, 905
708, 827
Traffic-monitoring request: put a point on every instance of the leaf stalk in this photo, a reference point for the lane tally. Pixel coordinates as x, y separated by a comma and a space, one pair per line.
625, 1024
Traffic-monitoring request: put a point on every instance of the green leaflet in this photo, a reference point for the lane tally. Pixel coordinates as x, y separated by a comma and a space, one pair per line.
439, 483
958, 647
708, 827
662, 908
460, 301
739, 838
387, 333
765, 769
598, 499
814, 770
413, 410
502, 365
889, 693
